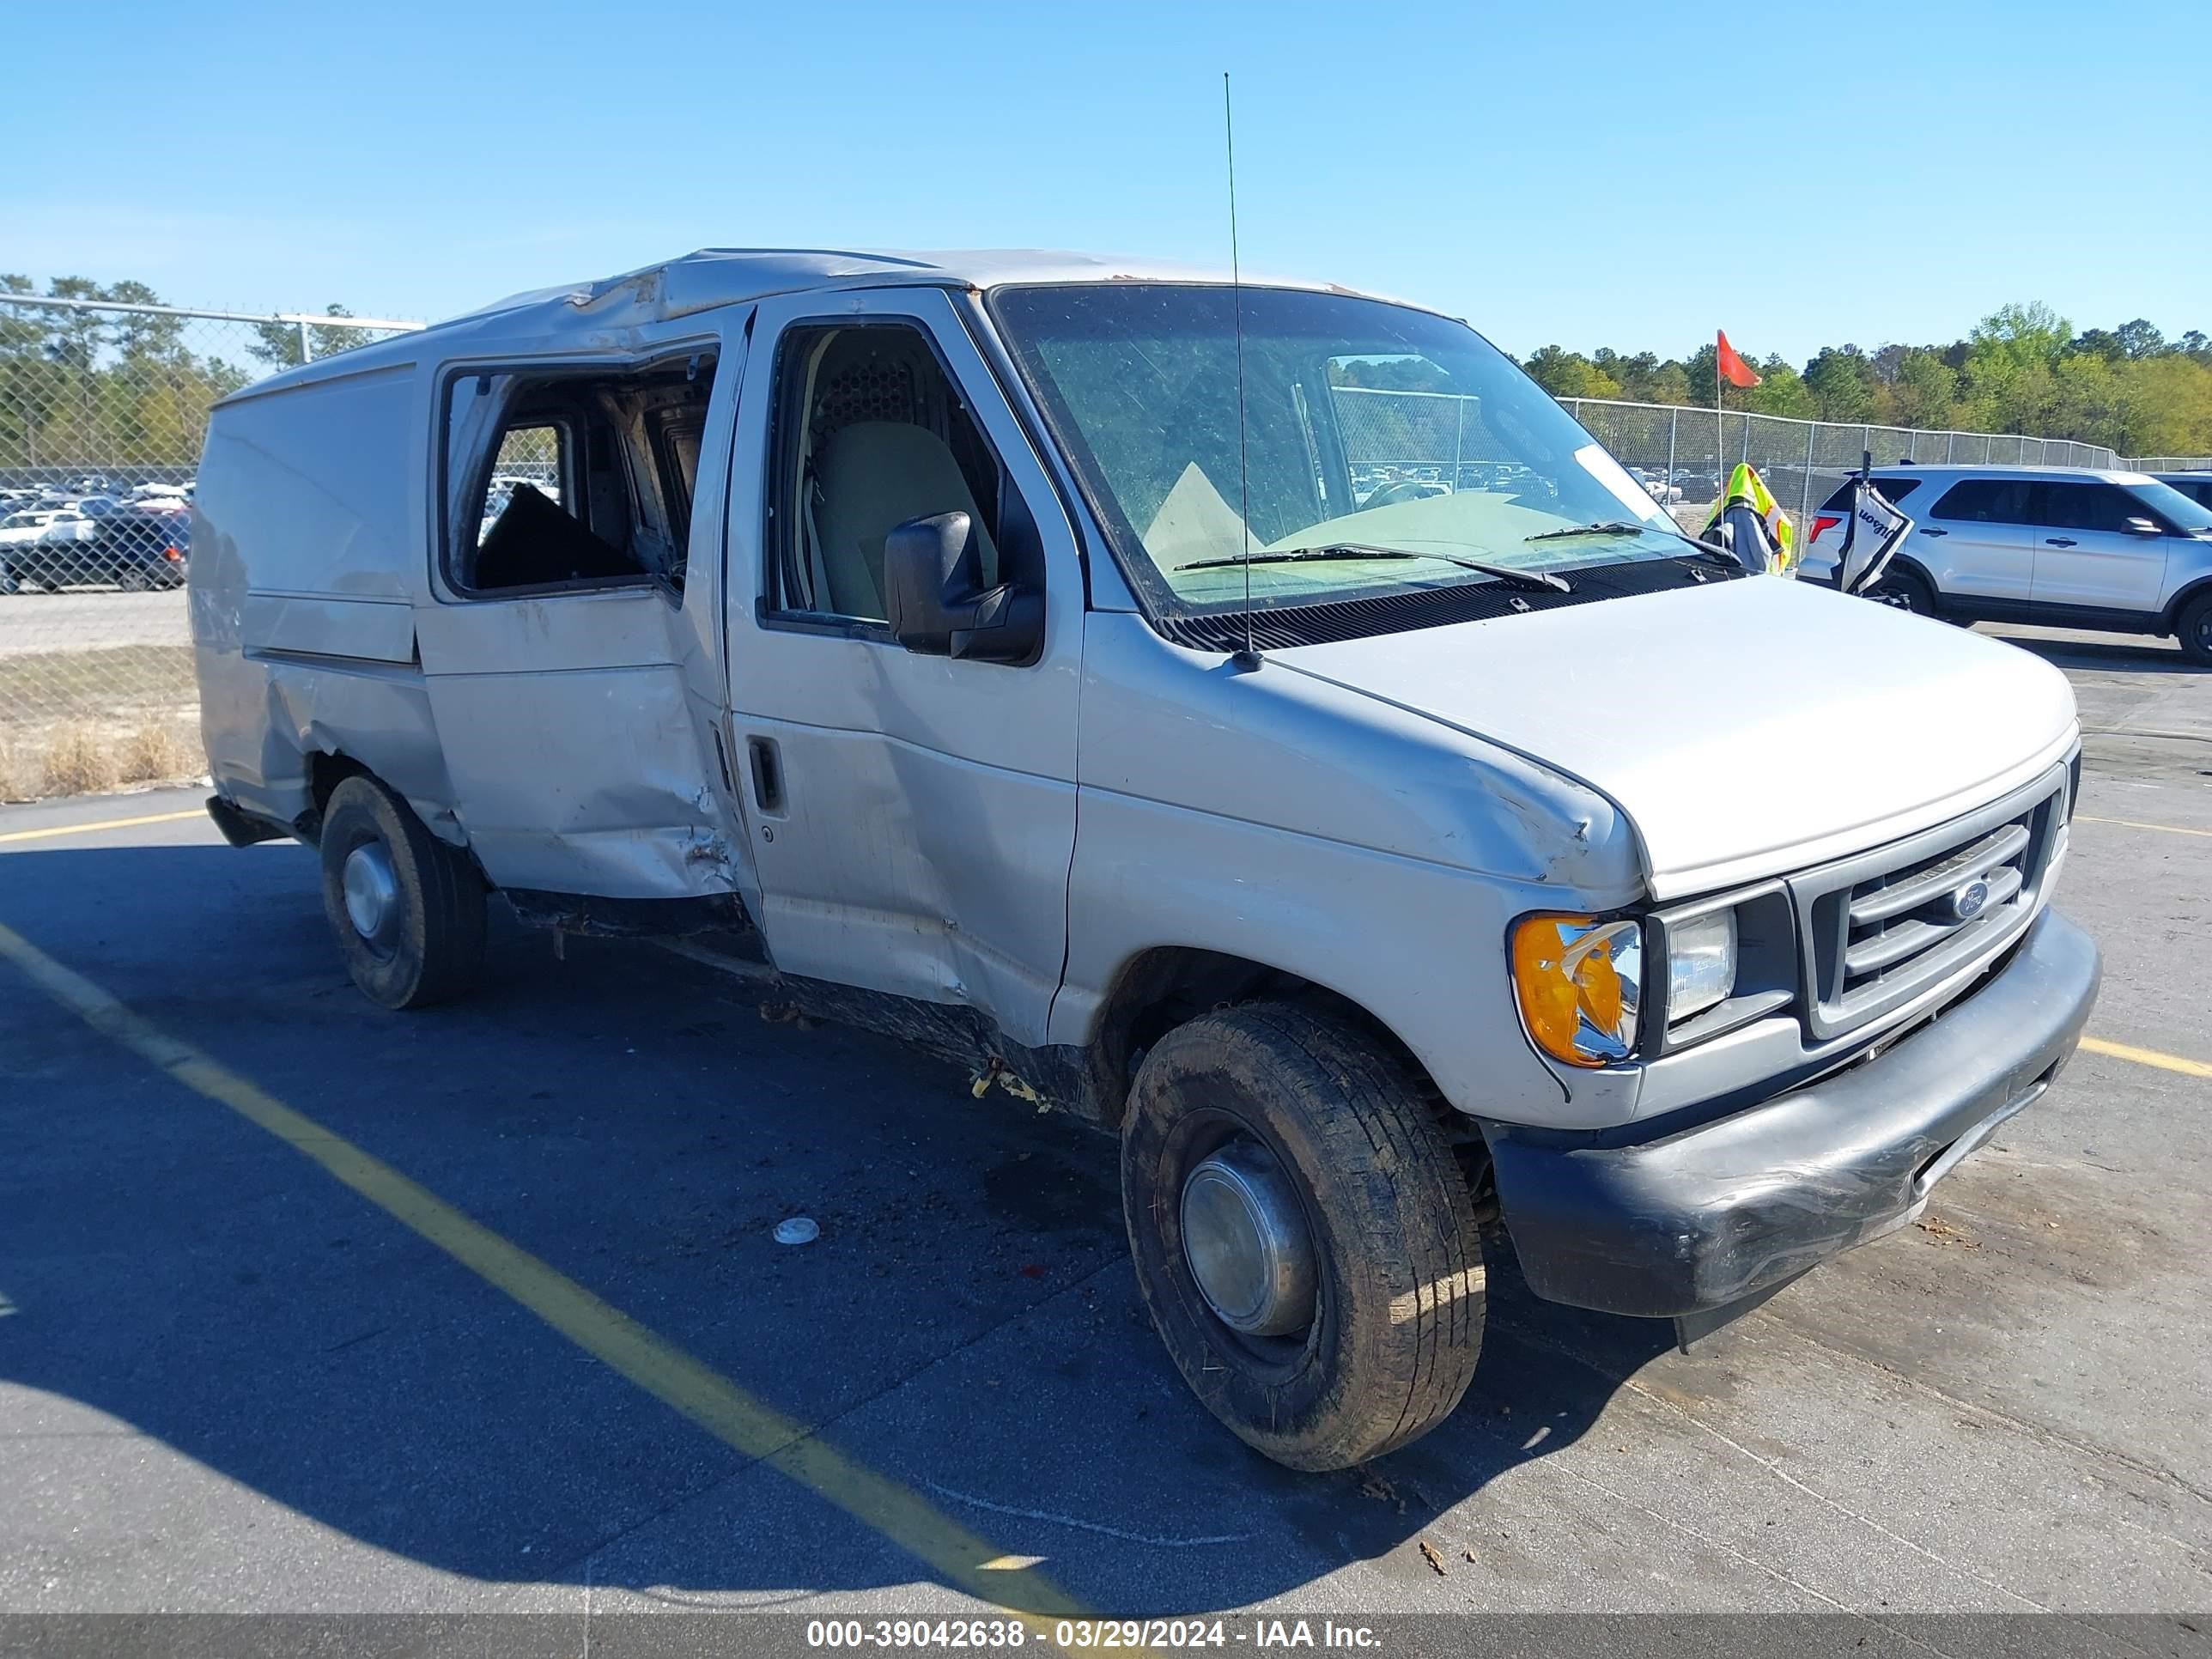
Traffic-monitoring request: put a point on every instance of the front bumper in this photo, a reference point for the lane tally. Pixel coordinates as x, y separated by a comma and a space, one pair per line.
1717, 1214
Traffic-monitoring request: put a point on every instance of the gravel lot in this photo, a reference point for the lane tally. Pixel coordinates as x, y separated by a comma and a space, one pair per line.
90, 619
228, 1383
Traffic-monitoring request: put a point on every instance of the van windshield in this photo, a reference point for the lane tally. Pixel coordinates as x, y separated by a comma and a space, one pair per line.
1369, 429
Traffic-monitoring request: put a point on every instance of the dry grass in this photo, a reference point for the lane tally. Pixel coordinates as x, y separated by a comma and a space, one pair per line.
20, 777
78, 722
80, 758
157, 752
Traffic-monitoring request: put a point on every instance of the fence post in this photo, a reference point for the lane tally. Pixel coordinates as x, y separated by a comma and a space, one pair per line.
1804, 500
1459, 440
1674, 422
307, 350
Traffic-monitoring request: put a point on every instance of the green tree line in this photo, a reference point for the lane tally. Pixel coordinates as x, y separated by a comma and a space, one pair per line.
2023, 369
100, 390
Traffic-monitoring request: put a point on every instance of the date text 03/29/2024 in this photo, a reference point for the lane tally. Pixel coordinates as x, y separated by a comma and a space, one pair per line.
1128, 1635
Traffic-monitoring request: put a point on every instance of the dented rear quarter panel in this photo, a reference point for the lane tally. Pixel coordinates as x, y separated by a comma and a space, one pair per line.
304, 579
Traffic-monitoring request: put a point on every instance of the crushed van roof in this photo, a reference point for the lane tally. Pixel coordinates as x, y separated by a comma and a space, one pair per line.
593, 311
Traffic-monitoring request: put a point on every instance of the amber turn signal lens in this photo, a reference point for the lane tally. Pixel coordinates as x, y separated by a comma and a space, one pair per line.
1578, 981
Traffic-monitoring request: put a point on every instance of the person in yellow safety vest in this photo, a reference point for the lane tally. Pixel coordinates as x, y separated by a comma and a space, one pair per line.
1748, 522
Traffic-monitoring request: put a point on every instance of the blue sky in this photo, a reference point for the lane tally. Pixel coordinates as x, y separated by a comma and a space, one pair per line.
1555, 172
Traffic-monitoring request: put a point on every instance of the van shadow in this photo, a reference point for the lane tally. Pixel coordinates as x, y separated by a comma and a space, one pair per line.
966, 1325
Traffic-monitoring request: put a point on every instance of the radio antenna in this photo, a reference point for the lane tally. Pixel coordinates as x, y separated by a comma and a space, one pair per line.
1247, 658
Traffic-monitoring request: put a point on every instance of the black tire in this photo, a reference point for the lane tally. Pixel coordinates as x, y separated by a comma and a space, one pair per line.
1908, 590
134, 579
2193, 628
1398, 1287
429, 947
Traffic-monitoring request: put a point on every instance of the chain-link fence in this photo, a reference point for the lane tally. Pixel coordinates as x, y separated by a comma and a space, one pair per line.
1682, 455
102, 409
2169, 463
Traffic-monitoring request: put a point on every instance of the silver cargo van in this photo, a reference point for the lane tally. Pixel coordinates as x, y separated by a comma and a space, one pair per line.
1257, 719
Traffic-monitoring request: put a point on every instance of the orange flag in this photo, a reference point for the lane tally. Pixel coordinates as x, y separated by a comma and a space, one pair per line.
1733, 368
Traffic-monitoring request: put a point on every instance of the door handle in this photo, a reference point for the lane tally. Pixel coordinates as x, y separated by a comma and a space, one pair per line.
2056, 541
766, 764
1931, 529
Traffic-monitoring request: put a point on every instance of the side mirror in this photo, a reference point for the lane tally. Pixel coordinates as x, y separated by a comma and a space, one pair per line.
932, 588
2139, 526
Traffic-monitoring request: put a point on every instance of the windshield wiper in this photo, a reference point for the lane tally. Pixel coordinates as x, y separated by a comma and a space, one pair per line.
1504, 572
1604, 527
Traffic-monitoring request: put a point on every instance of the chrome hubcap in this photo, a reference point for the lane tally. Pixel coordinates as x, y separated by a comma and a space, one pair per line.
372, 893
1245, 1238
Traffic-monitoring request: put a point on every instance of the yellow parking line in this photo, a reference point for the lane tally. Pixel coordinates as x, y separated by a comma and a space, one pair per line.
603, 1331
103, 823
2138, 823
2147, 1057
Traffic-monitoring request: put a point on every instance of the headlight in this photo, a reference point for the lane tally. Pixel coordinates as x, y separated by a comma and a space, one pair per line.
1700, 964
1578, 981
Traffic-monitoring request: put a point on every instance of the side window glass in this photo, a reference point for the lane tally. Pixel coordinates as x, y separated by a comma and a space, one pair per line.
2110, 508
870, 431
1985, 501
2085, 507
1893, 491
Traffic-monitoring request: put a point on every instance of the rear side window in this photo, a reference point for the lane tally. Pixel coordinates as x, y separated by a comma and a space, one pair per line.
572, 477
1893, 491
1986, 501
2086, 506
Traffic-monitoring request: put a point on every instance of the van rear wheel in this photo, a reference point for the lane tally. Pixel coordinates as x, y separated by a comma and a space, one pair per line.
1304, 1238
407, 908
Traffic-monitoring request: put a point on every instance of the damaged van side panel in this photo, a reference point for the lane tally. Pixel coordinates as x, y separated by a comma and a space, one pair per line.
303, 590
579, 721
568, 737
582, 769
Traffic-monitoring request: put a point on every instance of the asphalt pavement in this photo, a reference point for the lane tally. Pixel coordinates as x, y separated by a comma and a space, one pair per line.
242, 1370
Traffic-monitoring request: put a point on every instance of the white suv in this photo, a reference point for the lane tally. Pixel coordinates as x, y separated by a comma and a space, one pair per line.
2062, 546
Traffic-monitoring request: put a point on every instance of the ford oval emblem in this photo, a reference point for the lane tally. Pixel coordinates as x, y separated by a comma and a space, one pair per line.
1967, 902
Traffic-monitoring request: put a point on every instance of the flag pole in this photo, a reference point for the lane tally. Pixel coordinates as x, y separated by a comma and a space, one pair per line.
1720, 431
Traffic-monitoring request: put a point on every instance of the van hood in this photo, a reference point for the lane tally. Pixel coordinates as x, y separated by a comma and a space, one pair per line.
1744, 728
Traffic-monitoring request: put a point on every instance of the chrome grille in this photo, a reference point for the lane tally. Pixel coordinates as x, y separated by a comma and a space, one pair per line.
1883, 926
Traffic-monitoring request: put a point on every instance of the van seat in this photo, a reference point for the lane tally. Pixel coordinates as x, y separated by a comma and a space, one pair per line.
536, 541
873, 476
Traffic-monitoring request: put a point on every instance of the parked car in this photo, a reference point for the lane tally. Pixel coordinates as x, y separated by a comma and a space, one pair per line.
29, 525
45, 526
133, 549
2197, 486
1373, 873
2066, 547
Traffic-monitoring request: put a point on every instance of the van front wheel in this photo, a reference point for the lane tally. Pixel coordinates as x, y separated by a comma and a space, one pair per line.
1304, 1238
407, 908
